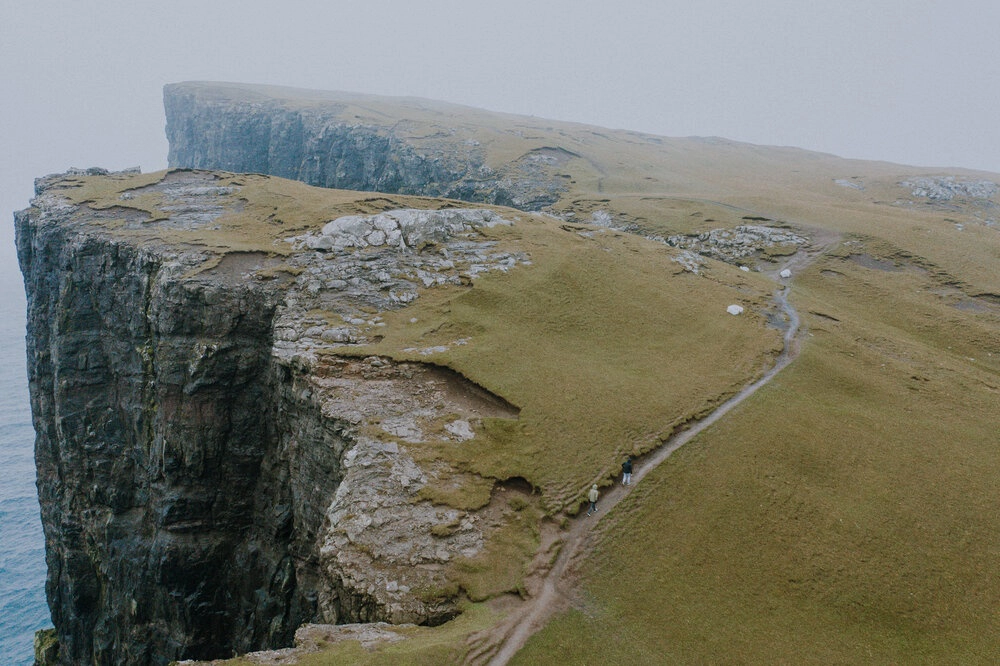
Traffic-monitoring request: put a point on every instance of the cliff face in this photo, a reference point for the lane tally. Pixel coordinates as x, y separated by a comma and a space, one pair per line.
150, 400
324, 143
238, 433
192, 449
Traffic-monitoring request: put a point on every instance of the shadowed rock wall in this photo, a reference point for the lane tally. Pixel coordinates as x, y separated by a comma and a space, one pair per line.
245, 130
175, 514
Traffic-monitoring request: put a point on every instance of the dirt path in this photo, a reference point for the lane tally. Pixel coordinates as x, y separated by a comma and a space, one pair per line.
511, 635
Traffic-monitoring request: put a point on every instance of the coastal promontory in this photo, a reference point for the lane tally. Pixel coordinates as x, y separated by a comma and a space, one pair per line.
340, 379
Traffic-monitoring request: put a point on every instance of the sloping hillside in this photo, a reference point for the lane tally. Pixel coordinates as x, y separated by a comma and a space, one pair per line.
656, 185
299, 405
845, 512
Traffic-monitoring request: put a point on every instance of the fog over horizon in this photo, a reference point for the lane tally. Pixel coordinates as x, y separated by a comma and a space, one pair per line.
912, 83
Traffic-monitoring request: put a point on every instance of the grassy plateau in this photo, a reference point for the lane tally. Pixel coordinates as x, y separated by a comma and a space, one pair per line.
847, 512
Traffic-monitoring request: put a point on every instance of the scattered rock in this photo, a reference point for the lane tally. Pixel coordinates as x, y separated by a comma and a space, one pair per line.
601, 218
853, 184
460, 429
690, 261
381, 262
732, 245
337, 335
404, 229
735, 309
949, 187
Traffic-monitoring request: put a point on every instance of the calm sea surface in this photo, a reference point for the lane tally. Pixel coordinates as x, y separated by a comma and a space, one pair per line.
22, 547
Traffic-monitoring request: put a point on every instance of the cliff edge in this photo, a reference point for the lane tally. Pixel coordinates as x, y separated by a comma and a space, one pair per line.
261, 404
207, 477
344, 141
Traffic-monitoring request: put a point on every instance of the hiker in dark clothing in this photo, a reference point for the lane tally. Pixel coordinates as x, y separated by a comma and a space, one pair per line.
627, 471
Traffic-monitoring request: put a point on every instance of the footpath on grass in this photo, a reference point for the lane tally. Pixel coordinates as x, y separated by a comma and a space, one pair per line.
511, 635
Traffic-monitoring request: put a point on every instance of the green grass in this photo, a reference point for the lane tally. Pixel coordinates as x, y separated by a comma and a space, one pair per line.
604, 343
603, 356
264, 211
500, 567
845, 514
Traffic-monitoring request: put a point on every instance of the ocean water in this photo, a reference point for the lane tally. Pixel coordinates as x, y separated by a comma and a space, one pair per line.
22, 546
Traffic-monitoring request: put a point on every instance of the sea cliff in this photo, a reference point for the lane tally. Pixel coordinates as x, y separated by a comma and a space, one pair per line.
262, 404
340, 141
199, 463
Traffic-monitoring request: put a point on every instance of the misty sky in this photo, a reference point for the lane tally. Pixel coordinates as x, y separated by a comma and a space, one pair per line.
909, 81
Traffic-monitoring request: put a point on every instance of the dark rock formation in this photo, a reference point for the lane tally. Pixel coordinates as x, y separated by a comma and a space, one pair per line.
318, 139
191, 469
151, 406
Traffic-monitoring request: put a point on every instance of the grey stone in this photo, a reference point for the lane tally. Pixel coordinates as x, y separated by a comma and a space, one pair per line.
947, 188
337, 335
733, 245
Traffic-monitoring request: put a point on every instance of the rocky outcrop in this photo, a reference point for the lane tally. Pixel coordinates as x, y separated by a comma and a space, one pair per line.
313, 638
209, 480
946, 188
323, 142
741, 245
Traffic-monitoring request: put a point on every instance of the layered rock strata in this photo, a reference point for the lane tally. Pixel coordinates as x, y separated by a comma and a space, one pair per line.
210, 478
334, 140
